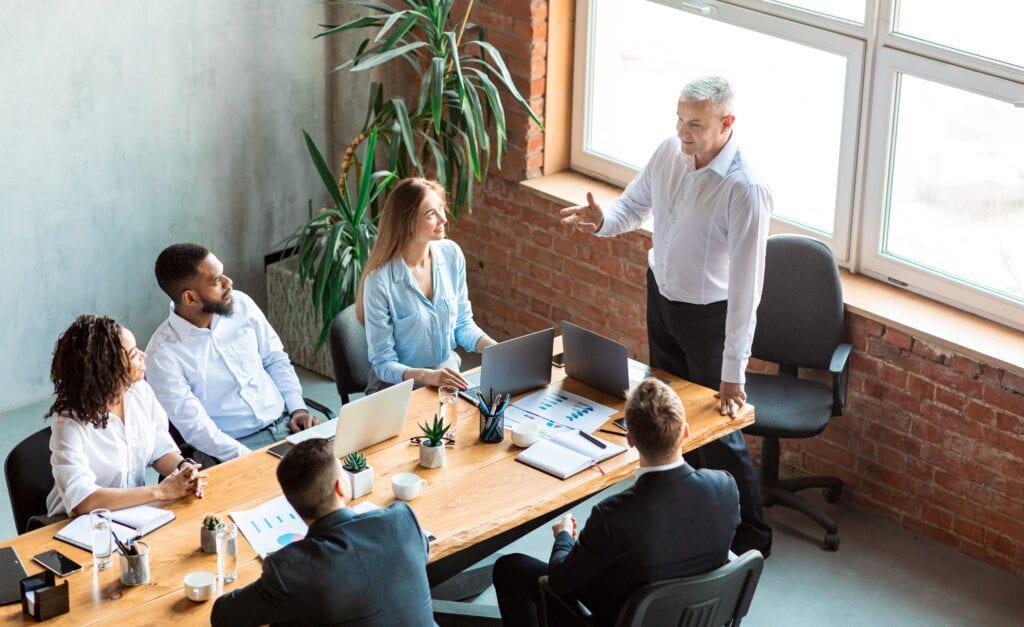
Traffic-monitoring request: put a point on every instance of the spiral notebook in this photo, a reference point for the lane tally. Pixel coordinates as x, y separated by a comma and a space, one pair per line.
125, 523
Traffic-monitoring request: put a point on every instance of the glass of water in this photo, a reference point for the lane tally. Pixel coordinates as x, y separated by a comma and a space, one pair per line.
448, 404
227, 552
102, 543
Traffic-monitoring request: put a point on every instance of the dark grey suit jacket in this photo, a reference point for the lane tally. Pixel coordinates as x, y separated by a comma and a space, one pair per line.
369, 569
671, 523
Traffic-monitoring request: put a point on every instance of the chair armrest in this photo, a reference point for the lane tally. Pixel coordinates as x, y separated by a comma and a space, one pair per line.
840, 369
573, 608
320, 408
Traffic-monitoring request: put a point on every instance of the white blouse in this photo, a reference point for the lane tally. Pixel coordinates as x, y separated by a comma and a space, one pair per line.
85, 458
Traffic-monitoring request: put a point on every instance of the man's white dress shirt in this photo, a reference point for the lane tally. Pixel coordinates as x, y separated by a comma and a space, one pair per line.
710, 232
85, 459
225, 382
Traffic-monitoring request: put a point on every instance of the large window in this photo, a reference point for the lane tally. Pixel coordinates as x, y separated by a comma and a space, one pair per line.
890, 133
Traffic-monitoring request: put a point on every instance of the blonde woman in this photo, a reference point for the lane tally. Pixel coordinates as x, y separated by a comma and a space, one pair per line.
412, 296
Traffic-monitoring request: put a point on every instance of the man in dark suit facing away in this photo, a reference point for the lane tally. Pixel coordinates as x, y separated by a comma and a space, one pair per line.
368, 569
674, 522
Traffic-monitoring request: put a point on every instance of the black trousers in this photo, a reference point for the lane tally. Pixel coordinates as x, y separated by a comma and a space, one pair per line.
515, 584
687, 340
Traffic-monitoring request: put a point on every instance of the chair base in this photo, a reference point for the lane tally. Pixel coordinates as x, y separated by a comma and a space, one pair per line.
782, 493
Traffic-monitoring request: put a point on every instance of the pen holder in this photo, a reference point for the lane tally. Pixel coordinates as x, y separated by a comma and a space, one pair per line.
492, 427
135, 568
41, 598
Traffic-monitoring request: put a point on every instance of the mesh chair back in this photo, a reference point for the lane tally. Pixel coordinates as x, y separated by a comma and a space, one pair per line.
800, 318
721, 597
349, 353
29, 478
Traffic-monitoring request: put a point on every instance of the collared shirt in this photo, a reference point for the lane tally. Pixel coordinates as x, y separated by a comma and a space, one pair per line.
225, 382
643, 470
710, 235
405, 330
85, 458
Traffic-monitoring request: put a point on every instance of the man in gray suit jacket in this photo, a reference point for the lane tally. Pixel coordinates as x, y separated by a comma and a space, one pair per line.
368, 569
675, 521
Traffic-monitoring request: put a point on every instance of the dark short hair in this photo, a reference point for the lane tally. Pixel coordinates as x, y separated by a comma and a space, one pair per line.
307, 473
176, 264
655, 418
90, 369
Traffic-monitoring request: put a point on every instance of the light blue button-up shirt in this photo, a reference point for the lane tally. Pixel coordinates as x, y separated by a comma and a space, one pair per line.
405, 330
225, 382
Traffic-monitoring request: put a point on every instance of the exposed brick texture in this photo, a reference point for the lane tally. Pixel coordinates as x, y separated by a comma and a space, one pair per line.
931, 438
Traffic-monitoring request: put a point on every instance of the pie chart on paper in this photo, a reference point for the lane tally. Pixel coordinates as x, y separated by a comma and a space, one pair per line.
288, 538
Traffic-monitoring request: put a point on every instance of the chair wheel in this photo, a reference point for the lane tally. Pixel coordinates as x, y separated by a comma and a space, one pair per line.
831, 541
832, 494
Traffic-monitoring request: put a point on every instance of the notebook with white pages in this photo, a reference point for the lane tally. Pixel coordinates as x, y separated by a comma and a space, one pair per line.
567, 454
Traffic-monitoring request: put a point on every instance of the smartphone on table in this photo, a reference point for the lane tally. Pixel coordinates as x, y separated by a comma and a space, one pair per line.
558, 360
57, 562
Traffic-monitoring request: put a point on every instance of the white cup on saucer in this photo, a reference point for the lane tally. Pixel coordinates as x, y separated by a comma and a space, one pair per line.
407, 485
200, 585
524, 434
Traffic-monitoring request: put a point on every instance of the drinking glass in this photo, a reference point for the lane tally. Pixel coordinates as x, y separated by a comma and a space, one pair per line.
448, 404
227, 552
99, 524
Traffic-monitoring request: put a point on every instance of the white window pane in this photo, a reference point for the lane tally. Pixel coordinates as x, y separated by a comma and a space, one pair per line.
989, 29
789, 98
852, 10
956, 198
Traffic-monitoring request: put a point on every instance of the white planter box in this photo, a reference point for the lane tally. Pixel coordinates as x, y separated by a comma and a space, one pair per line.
361, 482
431, 456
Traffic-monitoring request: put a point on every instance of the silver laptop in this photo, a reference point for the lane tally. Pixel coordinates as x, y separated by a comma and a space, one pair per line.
365, 421
513, 366
599, 362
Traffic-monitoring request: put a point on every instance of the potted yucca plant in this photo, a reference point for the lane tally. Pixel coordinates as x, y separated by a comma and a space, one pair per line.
449, 129
360, 474
432, 443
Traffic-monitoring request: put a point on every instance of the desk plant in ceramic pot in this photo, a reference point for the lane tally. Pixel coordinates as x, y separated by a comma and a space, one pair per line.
446, 130
359, 473
432, 443
208, 534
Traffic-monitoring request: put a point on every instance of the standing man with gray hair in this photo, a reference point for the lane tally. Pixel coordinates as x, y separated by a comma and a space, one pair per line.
711, 217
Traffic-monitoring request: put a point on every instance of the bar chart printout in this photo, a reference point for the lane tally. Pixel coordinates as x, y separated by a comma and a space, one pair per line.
270, 526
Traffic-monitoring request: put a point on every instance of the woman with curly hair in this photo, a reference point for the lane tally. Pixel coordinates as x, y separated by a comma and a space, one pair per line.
412, 296
108, 426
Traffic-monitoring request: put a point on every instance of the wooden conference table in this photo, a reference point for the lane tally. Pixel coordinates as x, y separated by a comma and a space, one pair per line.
480, 500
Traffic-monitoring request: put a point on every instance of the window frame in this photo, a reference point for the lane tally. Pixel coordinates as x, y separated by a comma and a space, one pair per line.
869, 109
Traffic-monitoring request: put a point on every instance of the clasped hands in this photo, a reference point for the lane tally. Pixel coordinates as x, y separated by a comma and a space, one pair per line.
188, 479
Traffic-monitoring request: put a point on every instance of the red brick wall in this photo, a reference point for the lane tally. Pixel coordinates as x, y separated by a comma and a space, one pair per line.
931, 439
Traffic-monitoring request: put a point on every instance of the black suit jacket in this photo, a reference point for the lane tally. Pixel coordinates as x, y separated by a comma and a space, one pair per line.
671, 523
369, 569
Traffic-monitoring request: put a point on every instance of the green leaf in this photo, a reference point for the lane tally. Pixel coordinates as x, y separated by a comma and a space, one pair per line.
404, 125
384, 57
437, 91
321, 167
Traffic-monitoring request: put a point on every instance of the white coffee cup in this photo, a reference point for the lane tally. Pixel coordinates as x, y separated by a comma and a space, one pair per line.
407, 485
525, 433
200, 585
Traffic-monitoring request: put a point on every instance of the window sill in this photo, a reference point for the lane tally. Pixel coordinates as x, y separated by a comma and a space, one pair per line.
946, 326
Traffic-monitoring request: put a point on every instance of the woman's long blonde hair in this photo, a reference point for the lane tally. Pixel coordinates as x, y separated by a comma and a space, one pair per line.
397, 227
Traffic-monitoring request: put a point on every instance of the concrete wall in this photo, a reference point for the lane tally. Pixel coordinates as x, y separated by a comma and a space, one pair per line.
126, 126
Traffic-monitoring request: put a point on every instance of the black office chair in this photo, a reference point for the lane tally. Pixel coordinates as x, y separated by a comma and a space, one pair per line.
799, 325
29, 480
720, 597
349, 353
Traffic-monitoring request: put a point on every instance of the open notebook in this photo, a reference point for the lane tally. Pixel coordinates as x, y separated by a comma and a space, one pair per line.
567, 454
125, 523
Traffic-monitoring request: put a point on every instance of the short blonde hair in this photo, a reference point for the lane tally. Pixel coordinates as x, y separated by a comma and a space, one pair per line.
655, 418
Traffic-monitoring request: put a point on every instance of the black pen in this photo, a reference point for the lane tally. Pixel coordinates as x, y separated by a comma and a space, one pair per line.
592, 439
618, 433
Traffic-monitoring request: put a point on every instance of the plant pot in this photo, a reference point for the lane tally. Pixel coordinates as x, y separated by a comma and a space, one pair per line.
431, 456
208, 540
361, 481
291, 313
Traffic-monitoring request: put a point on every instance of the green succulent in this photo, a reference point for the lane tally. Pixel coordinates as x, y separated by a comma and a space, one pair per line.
435, 431
211, 522
355, 462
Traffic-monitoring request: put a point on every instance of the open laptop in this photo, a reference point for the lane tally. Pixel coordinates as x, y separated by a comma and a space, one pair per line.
599, 362
360, 423
513, 366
